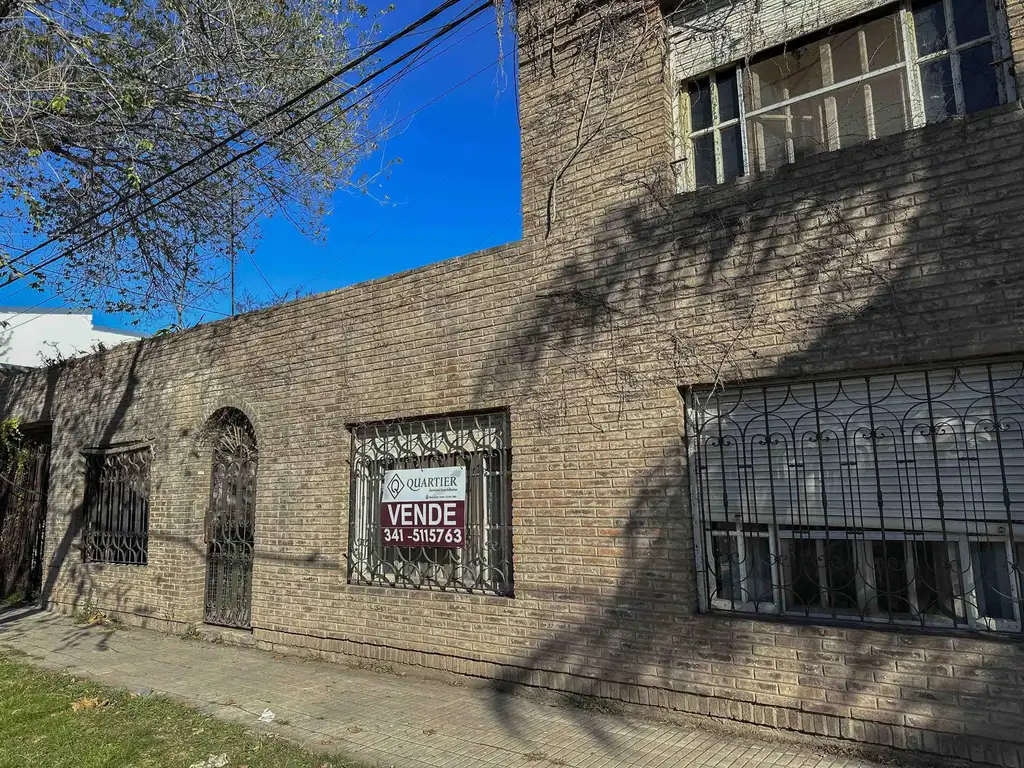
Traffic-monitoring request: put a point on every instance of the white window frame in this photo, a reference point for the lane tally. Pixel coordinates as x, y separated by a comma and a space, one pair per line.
974, 617
717, 126
739, 535
959, 532
862, 542
965, 602
998, 39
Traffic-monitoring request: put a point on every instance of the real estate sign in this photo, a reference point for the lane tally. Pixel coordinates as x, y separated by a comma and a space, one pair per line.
424, 508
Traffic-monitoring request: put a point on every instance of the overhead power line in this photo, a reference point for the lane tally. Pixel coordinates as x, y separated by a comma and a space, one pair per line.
251, 150
368, 140
382, 88
247, 128
402, 119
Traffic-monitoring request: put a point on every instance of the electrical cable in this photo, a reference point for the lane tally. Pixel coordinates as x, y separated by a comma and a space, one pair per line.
405, 117
251, 150
247, 128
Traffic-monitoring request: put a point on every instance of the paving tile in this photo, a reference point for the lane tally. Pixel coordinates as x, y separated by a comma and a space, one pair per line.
384, 719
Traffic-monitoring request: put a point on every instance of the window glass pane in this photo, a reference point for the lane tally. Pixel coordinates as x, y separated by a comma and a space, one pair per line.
1018, 568
992, 580
786, 75
981, 91
725, 558
935, 575
728, 98
803, 572
741, 577
883, 42
930, 26
770, 134
820, 575
704, 160
851, 115
808, 121
890, 577
937, 87
766, 137
970, 20
841, 572
846, 56
759, 570
889, 103
700, 104
732, 153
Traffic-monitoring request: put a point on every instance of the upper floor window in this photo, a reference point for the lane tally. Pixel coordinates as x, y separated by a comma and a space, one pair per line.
117, 505
920, 62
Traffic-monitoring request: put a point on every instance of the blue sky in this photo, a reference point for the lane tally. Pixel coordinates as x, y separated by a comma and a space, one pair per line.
456, 190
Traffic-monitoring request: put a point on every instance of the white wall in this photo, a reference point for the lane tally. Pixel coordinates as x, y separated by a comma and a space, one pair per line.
29, 336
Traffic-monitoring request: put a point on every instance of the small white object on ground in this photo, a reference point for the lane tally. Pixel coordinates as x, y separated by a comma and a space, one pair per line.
213, 761
267, 716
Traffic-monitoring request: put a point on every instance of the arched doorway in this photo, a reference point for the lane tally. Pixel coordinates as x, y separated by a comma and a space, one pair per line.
230, 519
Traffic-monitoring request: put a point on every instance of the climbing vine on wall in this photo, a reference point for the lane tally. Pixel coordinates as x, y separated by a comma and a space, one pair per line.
21, 511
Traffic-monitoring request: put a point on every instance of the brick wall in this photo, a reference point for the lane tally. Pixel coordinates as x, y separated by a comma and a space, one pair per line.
898, 252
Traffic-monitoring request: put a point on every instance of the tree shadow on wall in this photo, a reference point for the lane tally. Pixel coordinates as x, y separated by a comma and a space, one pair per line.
111, 379
99, 397
869, 257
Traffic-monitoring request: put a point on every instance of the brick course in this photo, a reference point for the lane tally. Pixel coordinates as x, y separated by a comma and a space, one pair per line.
902, 251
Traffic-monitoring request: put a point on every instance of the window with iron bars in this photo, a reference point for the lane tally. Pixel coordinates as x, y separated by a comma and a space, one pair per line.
915, 63
117, 505
482, 444
894, 498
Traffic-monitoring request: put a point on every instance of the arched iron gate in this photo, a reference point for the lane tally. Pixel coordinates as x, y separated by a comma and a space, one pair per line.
230, 524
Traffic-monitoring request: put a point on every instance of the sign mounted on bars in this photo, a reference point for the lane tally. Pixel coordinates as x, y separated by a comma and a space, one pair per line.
424, 508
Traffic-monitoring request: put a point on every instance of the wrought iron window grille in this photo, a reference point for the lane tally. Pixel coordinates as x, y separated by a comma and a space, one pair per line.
886, 498
117, 505
479, 442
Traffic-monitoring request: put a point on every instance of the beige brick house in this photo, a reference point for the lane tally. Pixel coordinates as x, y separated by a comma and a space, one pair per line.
741, 417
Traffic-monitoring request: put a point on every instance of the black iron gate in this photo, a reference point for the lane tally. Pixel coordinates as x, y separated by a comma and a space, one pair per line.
24, 477
230, 524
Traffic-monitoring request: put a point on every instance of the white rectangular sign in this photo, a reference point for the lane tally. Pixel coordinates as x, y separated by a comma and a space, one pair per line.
424, 508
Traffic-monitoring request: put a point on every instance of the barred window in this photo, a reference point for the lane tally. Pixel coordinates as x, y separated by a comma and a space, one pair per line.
479, 443
893, 498
117, 505
915, 63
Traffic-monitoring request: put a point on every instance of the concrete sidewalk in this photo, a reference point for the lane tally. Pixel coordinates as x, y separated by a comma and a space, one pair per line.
380, 718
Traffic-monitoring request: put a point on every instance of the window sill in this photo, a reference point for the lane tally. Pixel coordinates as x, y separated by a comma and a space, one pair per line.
909, 139
995, 636
426, 592
111, 564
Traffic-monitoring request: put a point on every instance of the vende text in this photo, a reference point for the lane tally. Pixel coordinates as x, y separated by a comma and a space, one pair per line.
409, 514
424, 524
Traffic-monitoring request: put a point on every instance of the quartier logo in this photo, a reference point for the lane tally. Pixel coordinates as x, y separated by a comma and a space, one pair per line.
429, 483
395, 486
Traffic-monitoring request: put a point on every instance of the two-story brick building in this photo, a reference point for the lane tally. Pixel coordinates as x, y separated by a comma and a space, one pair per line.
741, 415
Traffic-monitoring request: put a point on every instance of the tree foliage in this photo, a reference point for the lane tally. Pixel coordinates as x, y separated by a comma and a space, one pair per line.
100, 97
